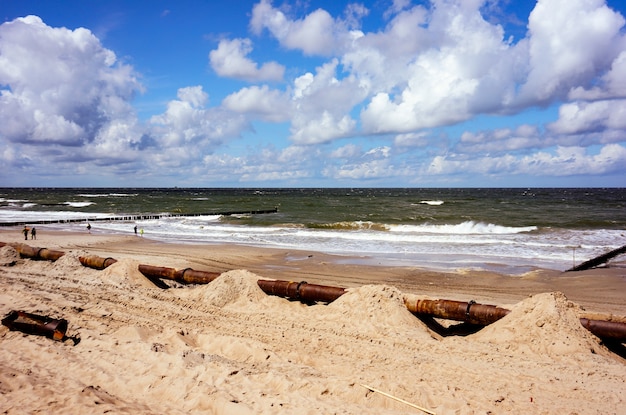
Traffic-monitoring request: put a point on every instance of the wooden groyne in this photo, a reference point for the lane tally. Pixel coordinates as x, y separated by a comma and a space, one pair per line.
132, 218
599, 260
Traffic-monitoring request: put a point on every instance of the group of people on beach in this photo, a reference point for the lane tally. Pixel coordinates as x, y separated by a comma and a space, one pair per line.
33, 233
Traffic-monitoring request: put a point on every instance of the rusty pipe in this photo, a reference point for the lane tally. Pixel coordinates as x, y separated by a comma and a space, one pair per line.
185, 276
482, 314
190, 276
613, 330
35, 324
301, 291
33, 252
94, 261
469, 312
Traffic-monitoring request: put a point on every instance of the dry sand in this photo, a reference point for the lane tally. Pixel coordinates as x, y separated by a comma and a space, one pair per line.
228, 348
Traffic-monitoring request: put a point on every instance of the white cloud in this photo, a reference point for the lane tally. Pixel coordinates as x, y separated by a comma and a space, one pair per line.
570, 42
186, 122
322, 104
229, 60
313, 34
455, 59
565, 161
64, 87
346, 152
262, 102
503, 140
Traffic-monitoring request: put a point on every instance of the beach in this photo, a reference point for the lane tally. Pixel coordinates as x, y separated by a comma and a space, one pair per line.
229, 348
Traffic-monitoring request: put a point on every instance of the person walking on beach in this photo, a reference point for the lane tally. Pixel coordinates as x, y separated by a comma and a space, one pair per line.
135, 229
25, 232
33, 233
89, 227
141, 231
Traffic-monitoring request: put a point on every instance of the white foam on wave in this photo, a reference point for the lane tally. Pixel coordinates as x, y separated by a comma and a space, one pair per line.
464, 228
432, 202
107, 194
78, 204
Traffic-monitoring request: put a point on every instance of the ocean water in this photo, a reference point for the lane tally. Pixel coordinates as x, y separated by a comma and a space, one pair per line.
508, 230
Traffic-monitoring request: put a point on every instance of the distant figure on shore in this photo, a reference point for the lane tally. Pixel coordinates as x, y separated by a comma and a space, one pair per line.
89, 227
141, 231
33, 233
25, 232
135, 229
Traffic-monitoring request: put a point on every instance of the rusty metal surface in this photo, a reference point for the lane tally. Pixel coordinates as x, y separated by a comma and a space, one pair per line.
469, 312
191, 276
94, 261
606, 329
185, 276
301, 291
35, 324
33, 252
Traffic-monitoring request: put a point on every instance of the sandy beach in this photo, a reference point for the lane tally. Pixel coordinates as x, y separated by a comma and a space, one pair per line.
229, 348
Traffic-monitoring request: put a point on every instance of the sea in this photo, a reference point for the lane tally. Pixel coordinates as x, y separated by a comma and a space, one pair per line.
512, 230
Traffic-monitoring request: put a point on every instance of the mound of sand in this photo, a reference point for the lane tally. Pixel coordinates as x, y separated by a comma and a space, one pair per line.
546, 324
378, 309
236, 288
8, 256
69, 262
125, 271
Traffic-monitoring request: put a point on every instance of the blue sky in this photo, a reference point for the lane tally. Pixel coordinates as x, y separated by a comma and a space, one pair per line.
313, 93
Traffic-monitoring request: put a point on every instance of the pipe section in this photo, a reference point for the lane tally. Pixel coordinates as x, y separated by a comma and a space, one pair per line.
301, 291
94, 261
184, 276
469, 312
35, 324
32, 252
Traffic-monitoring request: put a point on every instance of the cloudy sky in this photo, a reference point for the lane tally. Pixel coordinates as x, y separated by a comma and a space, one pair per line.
305, 93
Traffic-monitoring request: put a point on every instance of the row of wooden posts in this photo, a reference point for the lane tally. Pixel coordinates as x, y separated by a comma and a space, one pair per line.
471, 313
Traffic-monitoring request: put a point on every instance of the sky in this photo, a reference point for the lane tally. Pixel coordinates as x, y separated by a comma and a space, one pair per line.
304, 93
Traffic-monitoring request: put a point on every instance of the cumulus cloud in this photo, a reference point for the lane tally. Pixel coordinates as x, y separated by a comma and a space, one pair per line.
61, 86
313, 34
564, 161
570, 42
503, 140
230, 60
262, 102
187, 122
322, 103
590, 117
445, 64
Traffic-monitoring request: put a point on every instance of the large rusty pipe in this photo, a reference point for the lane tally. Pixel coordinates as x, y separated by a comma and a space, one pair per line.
190, 276
94, 261
185, 276
49, 254
606, 329
302, 291
33, 252
483, 314
469, 312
